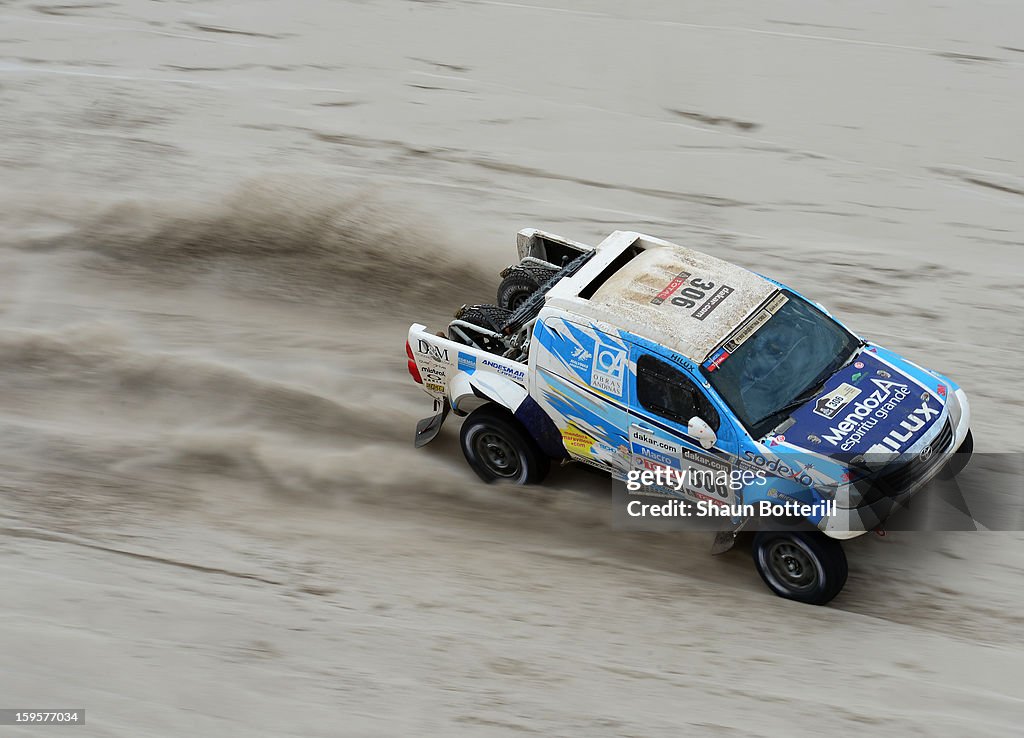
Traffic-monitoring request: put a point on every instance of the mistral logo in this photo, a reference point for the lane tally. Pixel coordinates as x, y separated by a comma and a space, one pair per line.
609, 368
866, 414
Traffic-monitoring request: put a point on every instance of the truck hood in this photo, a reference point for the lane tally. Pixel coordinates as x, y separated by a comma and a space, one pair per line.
873, 408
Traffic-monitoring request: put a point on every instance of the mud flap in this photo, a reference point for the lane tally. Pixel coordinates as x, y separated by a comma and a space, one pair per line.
724, 540
428, 428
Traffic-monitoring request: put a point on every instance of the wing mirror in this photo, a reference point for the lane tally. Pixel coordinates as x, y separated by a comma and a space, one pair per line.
700, 430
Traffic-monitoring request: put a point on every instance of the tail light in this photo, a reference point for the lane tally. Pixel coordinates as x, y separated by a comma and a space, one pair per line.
414, 370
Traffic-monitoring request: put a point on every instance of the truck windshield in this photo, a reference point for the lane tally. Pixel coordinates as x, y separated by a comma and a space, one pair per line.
778, 360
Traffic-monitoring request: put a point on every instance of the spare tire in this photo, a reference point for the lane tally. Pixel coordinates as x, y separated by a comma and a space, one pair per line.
519, 283
490, 317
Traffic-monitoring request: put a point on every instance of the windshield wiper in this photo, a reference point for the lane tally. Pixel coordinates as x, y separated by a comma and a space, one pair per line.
794, 403
818, 383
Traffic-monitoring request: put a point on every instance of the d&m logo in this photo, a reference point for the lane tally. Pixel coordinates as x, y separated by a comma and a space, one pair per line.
435, 352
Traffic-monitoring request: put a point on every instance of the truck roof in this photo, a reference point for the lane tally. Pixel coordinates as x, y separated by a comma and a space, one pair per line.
683, 299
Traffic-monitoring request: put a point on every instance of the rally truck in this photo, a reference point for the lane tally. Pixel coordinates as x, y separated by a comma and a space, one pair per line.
640, 354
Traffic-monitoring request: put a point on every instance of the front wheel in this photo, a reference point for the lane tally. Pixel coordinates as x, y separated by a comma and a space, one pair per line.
804, 566
498, 448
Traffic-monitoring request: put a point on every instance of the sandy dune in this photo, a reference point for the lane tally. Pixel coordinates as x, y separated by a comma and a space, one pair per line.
218, 220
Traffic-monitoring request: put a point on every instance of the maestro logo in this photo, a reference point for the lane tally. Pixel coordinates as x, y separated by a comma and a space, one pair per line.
467, 363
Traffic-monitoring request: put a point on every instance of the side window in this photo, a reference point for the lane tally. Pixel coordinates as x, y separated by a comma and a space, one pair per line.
663, 389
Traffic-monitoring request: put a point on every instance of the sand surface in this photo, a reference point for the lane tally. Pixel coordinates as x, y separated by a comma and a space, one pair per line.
217, 220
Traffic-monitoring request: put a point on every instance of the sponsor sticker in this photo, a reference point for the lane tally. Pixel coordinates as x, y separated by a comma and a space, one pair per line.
776, 466
829, 405
716, 359
434, 387
774, 493
434, 352
712, 302
432, 372
861, 417
609, 368
776, 303
637, 436
746, 330
677, 281
577, 441
467, 363
685, 291
580, 359
506, 371
657, 457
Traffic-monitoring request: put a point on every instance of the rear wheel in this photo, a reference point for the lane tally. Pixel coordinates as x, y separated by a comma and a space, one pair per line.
497, 447
806, 566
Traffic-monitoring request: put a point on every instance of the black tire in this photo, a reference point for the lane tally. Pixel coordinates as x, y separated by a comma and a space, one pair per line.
806, 566
519, 283
960, 459
498, 448
491, 317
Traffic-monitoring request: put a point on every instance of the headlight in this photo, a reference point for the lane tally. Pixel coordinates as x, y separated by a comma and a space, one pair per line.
860, 493
953, 405
827, 489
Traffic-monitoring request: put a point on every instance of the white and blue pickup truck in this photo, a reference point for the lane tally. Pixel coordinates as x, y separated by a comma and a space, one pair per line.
640, 354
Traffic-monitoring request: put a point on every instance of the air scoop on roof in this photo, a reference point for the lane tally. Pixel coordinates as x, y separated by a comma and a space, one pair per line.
630, 253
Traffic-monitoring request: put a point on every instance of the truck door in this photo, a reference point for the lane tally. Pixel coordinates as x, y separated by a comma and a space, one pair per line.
581, 379
663, 399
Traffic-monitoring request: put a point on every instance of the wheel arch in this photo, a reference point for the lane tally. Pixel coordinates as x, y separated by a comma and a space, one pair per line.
470, 391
